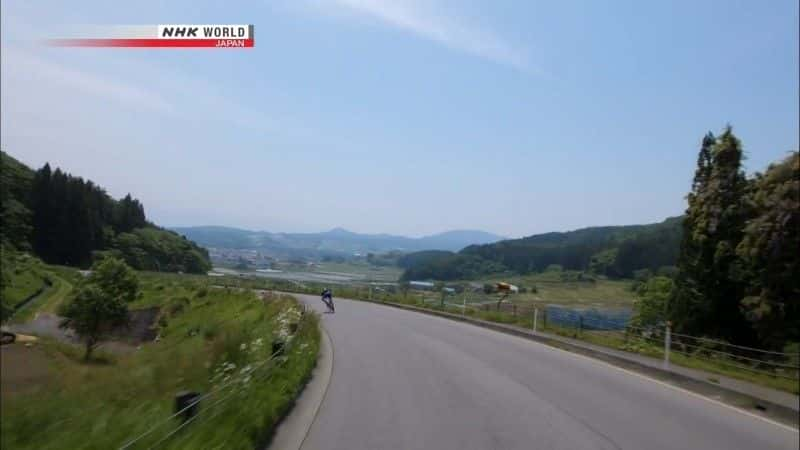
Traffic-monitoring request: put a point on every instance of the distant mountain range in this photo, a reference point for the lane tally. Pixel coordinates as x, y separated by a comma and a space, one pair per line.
336, 241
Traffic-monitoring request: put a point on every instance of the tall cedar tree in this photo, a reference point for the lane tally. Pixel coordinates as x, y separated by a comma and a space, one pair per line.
708, 288
687, 307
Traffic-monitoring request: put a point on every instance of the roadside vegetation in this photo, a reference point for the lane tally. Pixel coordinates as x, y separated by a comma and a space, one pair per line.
216, 342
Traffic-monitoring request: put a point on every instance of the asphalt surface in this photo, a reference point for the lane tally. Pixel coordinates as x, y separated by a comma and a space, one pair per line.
405, 380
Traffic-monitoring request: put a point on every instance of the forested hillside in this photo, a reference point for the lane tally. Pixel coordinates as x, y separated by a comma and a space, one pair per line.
613, 251
616, 251
67, 220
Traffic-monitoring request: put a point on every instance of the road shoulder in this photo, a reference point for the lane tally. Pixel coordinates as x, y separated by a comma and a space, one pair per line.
291, 433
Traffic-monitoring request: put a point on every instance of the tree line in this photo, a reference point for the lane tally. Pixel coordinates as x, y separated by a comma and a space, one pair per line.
445, 266
67, 220
73, 217
616, 252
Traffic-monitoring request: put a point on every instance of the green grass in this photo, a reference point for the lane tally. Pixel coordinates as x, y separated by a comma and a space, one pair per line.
27, 277
160, 288
48, 301
601, 293
56, 295
104, 403
69, 274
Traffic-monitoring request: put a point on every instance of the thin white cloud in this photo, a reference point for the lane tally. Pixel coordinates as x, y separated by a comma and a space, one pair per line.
88, 83
131, 84
424, 20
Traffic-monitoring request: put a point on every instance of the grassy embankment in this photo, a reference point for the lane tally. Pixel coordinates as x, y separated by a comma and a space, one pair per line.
26, 278
216, 341
33, 286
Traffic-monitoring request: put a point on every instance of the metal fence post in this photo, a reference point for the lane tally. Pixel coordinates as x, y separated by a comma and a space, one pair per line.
535, 318
667, 343
580, 325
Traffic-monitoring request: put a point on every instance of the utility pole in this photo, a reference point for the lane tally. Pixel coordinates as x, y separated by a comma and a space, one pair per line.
667, 343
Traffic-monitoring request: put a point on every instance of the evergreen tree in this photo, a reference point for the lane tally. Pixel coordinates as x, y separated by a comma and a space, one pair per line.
687, 308
41, 204
129, 215
706, 299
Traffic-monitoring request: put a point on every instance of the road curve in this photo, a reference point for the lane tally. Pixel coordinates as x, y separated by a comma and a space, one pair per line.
405, 380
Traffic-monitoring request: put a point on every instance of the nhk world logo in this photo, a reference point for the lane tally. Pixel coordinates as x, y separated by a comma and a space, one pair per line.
161, 36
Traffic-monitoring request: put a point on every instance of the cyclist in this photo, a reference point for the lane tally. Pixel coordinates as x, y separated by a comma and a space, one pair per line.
327, 298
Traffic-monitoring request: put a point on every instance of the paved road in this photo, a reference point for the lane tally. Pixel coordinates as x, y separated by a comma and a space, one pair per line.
405, 380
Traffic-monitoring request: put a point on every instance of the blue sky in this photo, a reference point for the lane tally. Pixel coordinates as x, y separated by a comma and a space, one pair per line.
408, 117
